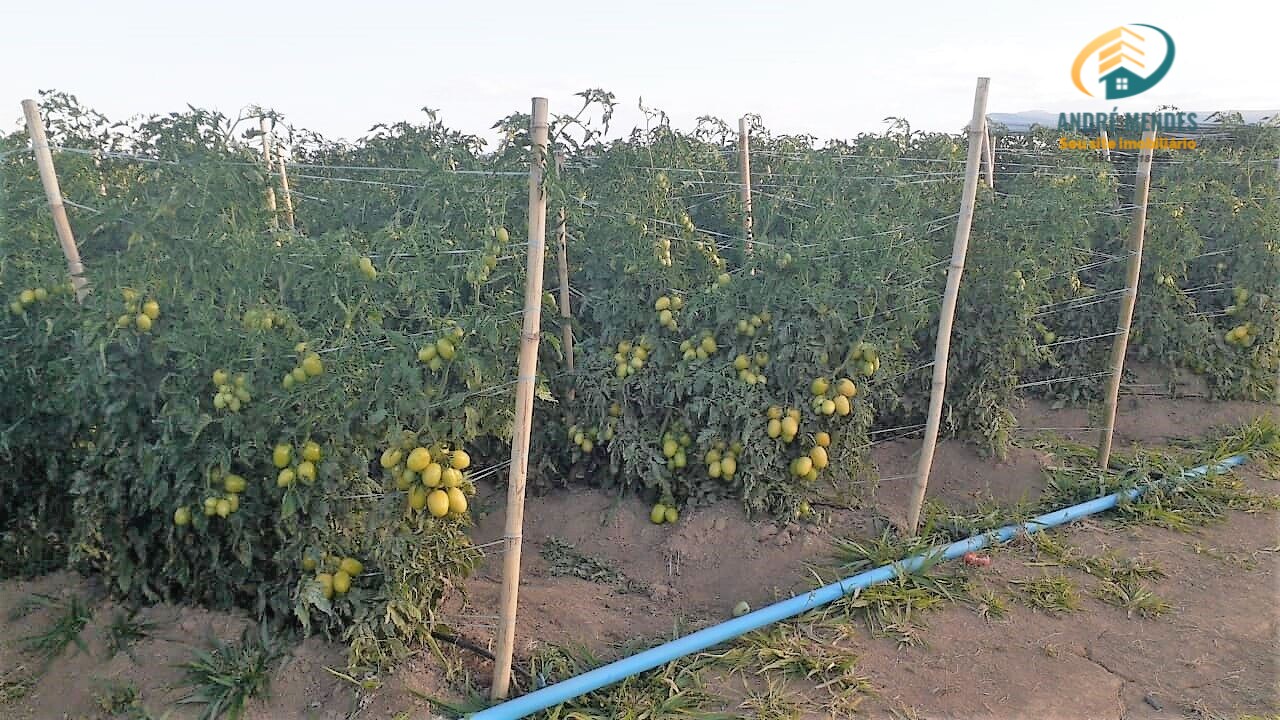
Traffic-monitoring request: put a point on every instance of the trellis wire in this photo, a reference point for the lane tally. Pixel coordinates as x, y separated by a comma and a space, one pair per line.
1072, 341
236, 163
1073, 304
1073, 378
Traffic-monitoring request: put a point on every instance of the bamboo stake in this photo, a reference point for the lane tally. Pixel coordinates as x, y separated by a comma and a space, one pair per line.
566, 316
1106, 144
53, 193
102, 179
744, 170
977, 129
524, 403
1141, 190
266, 157
288, 196
989, 154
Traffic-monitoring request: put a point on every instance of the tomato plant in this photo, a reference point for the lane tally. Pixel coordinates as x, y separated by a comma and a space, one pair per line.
293, 421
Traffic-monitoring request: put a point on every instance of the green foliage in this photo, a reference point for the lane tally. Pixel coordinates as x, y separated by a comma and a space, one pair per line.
1111, 567
1260, 439
772, 703
227, 675
114, 430
125, 629
1197, 501
35, 544
1170, 498
1133, 597
112, 427
1121, 577
15, 683
850, 248
855, 555
810, 652
818, 297
1215, 227
990, 605
565, 559
670, 692
121, 700
894, 608
1053, 593
70, 615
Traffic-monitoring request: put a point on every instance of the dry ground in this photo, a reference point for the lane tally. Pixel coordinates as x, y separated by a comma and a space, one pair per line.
1213, 654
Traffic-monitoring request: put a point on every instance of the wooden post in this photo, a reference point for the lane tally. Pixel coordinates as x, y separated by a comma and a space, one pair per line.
53, 193
1106, 144
744, 193
977, 128
566, 316
1141, 190
989, 155
288, 196
524, 403
102, 179
266, 157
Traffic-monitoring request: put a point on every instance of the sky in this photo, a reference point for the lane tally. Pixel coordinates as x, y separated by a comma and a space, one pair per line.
827, 68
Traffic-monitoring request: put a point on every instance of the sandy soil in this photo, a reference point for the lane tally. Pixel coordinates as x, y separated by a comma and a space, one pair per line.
1213, 655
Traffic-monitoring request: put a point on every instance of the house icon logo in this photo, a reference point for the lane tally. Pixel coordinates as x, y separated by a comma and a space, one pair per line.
1125, 59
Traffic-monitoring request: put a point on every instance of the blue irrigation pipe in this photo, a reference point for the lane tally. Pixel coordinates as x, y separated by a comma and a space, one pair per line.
709, 637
